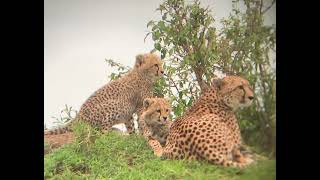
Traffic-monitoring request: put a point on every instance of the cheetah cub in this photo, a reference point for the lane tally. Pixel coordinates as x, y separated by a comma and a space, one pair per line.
154, 122
116, 102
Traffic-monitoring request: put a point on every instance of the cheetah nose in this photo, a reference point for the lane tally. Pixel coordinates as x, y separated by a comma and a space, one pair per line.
250, 97
165, 118
162, 72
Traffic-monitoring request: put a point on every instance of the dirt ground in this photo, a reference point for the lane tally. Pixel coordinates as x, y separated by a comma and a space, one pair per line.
56, 141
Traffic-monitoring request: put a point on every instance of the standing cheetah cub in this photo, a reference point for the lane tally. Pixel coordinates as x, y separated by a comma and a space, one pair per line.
154, 122
116, 102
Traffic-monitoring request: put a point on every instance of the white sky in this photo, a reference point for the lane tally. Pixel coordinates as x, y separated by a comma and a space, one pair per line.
80, 34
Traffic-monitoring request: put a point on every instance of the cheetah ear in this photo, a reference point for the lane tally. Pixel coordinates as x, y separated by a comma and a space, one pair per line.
217, 82
147, 102
139, 60
168, 100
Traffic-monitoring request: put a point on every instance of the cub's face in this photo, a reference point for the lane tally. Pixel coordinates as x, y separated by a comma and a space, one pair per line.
236, 92
156, 111
150, 65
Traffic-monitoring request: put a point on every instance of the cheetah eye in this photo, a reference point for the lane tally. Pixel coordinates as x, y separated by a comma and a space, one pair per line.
241, 86
158, 110
156, 65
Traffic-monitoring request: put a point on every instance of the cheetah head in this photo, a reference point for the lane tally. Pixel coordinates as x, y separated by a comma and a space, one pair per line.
235, 91
156, 111
149, 65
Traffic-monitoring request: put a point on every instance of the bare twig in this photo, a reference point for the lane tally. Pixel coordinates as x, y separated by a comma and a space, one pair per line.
174, 84
113, 63
265, 10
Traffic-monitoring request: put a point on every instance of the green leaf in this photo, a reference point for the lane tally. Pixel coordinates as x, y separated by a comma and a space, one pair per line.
150, 23
171, 52
178, 110
180, 84
155, 35
154, 27
161, 25
164, 17
157, 46
190, 102
144, 40
163, 53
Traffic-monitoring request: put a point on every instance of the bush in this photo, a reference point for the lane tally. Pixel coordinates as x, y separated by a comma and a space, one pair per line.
194, 52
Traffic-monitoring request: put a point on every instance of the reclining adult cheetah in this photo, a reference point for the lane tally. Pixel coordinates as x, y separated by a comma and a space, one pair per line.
116, 102
155, 123
209, 129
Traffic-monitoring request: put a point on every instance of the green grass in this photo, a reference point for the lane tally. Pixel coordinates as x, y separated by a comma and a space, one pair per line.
115, 156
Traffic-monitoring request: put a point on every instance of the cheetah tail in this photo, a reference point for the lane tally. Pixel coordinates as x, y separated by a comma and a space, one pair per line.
59, 130
229, 163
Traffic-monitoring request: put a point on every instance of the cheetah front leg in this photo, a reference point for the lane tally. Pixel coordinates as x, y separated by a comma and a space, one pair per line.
139, 111
154, 144
219, 159
171, 152
156, 147
239, 157
213, 155
130, 126
106, 128
139, 121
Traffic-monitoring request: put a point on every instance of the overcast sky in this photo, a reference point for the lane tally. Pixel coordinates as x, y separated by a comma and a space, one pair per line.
80, 34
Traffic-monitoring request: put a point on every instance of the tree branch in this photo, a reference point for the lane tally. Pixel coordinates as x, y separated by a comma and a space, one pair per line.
265, 10
199, 72
174, 84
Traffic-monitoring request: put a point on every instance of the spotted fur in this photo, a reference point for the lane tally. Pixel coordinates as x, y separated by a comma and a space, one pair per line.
209, 130
155, 122
116, 102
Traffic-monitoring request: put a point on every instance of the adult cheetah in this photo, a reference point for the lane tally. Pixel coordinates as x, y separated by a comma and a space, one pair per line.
116, 102
209, 129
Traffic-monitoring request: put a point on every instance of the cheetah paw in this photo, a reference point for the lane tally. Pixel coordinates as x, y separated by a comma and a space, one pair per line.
162, 158
158, 153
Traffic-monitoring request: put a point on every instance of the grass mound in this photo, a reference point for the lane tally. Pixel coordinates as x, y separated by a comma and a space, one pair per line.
115, 156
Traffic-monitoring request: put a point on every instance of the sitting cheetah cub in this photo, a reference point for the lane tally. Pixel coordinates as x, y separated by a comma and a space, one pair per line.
116, 102
154, 122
